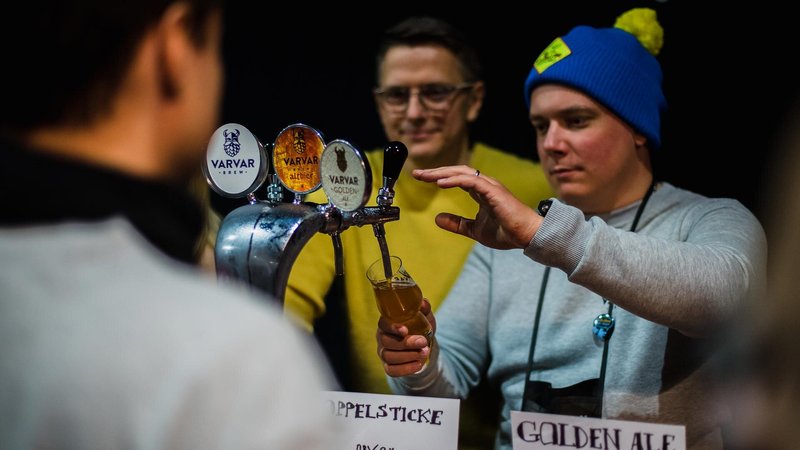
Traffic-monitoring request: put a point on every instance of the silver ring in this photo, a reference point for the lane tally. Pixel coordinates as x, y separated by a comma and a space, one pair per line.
477, 172
380, 353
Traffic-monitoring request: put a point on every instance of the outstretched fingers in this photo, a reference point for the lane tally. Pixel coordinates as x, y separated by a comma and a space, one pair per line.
455, 224
453, 176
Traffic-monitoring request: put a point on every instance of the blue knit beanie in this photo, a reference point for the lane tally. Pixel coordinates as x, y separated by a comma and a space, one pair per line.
612, 66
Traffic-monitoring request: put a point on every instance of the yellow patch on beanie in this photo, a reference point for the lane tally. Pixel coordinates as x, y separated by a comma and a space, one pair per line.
555, 52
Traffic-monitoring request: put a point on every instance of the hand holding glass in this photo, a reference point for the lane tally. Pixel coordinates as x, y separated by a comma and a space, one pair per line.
398, 297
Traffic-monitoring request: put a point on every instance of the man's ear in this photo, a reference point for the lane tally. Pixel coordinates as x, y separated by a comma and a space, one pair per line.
174, 48
639, 139
475, 101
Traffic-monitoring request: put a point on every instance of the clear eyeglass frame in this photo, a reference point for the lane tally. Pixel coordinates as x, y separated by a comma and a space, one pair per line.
434, 97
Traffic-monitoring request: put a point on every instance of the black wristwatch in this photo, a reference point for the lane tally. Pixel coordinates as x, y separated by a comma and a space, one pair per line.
544, 206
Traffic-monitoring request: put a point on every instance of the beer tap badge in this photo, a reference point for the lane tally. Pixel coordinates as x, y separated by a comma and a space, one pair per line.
296, 158
236, 163
346, 175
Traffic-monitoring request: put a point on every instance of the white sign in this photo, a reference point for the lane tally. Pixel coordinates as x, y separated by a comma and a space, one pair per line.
553, 431
394, 422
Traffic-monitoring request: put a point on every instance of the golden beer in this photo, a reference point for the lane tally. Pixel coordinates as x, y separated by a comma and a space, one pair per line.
399, 298
399, 302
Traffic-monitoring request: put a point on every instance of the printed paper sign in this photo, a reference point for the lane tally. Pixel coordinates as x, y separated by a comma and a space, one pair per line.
553, 431
395, 422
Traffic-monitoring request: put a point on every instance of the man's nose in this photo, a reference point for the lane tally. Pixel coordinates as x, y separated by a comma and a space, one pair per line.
553, 140
415, 107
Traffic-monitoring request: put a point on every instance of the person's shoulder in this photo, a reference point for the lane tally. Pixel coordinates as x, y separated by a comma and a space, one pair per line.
143, 291
114, 260
522, 176
696, 205
375, 158
696, 199
489, 156
506, 167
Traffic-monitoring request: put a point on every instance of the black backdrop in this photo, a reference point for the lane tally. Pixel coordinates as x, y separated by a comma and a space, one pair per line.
725, 78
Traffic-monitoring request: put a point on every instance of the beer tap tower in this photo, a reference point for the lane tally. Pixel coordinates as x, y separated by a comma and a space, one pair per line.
258, 243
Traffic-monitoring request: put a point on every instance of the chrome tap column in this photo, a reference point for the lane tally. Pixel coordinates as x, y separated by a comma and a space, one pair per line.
258, 243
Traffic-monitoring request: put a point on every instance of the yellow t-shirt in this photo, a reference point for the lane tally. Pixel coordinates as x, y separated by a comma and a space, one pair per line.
432, 256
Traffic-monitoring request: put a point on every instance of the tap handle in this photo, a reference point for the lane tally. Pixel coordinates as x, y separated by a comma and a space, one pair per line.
394, 156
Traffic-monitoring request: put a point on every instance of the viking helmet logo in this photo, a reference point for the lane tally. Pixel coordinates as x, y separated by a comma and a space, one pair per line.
341, 161
231, 144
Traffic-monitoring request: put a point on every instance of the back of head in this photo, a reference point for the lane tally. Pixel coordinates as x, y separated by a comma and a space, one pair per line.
615, 66
65, 60
416, 31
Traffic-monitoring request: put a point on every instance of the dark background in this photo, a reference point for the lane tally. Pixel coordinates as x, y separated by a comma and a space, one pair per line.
726, 78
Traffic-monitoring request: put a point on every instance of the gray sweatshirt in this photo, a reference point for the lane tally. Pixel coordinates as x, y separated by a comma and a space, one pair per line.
691, 265
107, 343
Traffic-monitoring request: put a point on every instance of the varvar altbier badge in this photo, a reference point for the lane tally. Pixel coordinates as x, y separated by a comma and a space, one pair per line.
296, 158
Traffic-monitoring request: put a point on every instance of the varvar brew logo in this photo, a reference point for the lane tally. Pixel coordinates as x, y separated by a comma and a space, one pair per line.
231, 144
232, 148
341, 161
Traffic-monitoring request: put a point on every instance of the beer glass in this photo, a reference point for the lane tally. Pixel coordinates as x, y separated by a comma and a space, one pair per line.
398, 297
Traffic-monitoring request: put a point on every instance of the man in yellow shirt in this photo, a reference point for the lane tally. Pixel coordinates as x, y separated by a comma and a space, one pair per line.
429, 91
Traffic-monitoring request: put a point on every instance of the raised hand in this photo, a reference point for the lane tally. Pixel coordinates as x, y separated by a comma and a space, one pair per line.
503, 222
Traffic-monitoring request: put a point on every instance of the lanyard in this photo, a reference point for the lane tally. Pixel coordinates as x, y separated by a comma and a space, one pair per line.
607, 319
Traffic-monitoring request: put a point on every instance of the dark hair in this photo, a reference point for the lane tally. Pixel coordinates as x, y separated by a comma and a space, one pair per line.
431, 31
65, 60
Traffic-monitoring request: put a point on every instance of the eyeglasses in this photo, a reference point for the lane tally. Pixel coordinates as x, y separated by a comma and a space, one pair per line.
432, 97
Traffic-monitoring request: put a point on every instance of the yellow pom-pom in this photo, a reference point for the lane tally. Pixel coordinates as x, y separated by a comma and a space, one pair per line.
642, 23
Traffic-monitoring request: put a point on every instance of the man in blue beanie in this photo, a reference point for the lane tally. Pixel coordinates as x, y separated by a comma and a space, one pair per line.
647, 275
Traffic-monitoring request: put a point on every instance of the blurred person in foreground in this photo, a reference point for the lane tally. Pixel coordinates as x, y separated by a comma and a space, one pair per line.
647, 276
206, 243
110, 335
429, 90
765, 365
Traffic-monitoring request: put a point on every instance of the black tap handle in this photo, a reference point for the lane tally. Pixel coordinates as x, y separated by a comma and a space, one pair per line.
394, 156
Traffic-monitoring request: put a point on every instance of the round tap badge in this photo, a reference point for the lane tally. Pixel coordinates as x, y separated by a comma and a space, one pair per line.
296, 158
236, 163
346, 176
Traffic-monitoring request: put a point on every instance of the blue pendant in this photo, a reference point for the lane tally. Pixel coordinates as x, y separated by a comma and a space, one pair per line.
603, 327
